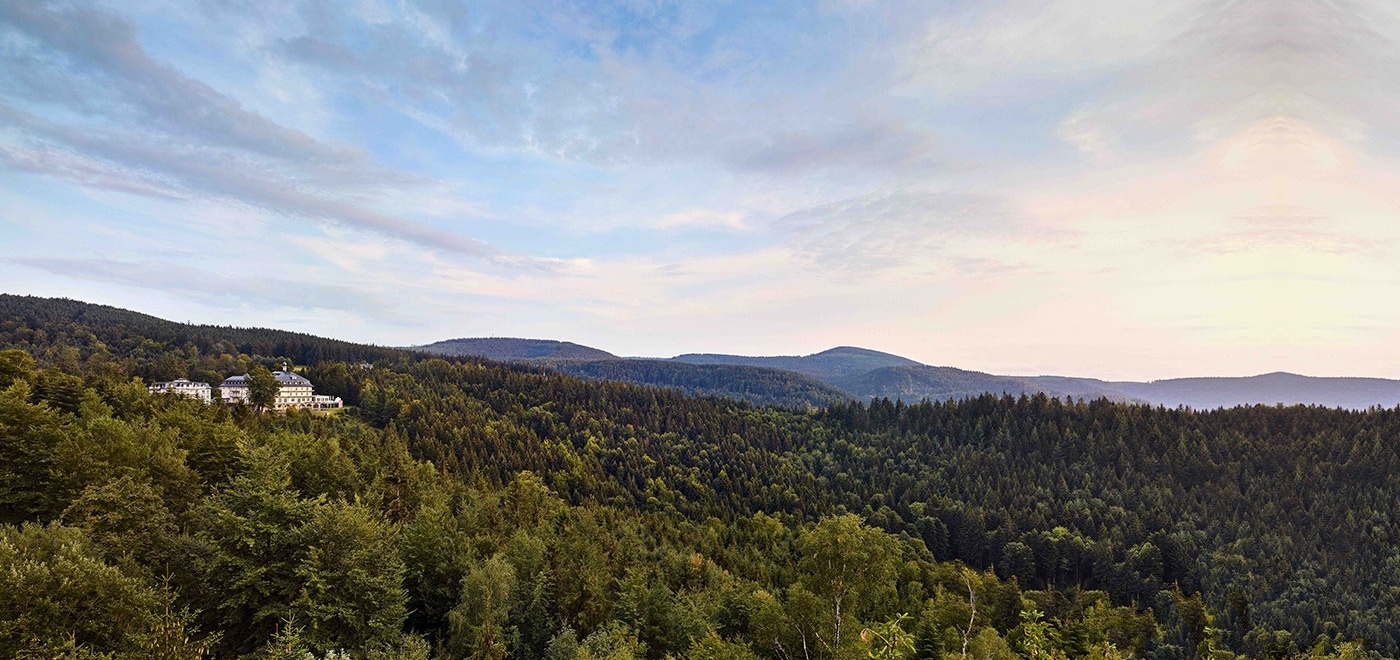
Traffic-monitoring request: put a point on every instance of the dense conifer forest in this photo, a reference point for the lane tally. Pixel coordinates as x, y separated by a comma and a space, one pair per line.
465, 509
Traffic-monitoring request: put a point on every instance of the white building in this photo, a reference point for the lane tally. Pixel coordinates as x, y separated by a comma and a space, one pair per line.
234, 389
293, 391
324, 402
184, 387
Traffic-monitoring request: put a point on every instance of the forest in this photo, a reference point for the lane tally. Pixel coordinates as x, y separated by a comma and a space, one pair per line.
466, 509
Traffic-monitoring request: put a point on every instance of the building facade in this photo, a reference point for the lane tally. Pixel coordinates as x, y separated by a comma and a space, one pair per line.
293, 391
234, 389
184, 387
324, 402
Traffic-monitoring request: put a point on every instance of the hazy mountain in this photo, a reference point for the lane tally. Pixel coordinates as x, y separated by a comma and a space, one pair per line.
867, 374
915, 383
829, 366
1268, 389
509, 348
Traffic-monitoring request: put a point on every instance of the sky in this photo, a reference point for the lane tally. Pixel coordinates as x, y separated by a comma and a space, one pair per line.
1135, 189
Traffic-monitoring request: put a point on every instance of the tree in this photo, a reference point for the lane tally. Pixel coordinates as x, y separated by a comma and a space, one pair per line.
15, 365
850, 567
889, 641
30, 437
712, 647
477, 626
262, 387
56, 590
351, 594
249, 532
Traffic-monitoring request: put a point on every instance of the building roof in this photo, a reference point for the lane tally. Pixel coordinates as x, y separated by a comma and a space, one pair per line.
284, 378
291, 378
179, 382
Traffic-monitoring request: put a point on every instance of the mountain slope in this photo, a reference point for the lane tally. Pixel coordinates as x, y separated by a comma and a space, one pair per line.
509, 348
829, 366
867, 374
915, 383
757, 384
70, 330
761, 386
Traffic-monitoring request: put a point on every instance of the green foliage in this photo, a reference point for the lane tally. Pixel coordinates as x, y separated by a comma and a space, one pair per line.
15, 365
612, 642
712, 647
477, 626
56, 592
262, 387
351, 581
125, 518
33, 436
757, 385
889, 641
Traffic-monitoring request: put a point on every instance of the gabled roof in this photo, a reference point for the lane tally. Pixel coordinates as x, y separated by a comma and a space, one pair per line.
291, 378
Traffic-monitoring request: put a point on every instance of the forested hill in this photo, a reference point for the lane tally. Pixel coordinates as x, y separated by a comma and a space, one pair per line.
504, 348
67, 332
831, 366
468, 509
761, 386
915, 383
758, 385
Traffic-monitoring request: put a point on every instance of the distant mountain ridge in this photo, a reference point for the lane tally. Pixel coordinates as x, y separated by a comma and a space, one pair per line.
918, 382
754, 383
1269, 389
862, 373
831, 365
511, 348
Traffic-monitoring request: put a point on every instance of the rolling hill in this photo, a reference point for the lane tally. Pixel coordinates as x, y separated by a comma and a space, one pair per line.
754, 381
830, 366
763, 386
509, 348
865, 374
918, 382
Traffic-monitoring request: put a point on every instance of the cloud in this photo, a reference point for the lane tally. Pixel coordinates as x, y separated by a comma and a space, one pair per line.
211, 288
138, 164
705, 218
863, 143
1038, 44
1281, 227
146, 129
882, 232
99, 49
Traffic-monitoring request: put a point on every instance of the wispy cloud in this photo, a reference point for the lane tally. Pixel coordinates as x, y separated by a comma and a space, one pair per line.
149, 130
934, 233
91, 50
212, 287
